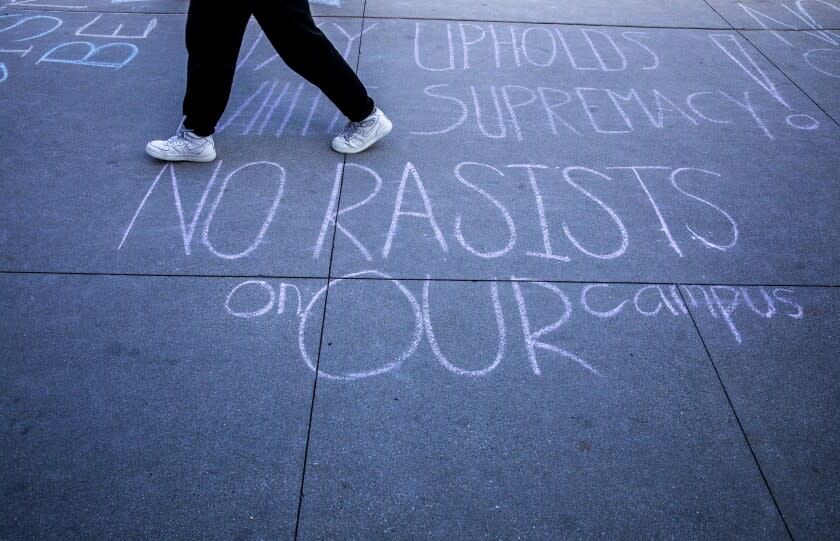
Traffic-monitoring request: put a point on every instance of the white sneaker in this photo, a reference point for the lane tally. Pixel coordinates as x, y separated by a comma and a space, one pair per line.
358, 136
184, 146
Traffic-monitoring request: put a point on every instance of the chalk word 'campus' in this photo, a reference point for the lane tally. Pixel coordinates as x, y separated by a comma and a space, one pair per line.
252, 299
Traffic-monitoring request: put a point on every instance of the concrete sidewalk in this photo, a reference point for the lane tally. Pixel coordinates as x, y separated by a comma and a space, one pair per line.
587, 288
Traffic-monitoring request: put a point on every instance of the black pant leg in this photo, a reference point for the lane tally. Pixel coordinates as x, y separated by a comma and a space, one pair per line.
214, 35
289, 27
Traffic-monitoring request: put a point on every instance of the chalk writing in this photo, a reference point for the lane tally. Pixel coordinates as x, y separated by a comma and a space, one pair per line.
85, 53
825, 57
516, 111
62, 4
496, 111
439, 355
84, 31
286, 106
825, 61
281, 183
112, 55
19, 52
274, 102
260, 298
330, 215
277, 174
276, 299
736, 51
469, 45
53, 24
428, 214
573, 176
688, 212
387, 365
801, 16
589, 185
459, 234
57, 4
532, 338
748, 64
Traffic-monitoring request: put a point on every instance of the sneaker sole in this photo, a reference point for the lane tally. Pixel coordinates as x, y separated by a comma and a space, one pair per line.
157, 154
386, 129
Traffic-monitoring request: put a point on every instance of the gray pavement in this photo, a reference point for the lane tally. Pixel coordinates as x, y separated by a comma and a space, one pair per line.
583, 290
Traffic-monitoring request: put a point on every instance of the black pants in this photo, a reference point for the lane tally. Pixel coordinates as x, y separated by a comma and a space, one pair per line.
214, 35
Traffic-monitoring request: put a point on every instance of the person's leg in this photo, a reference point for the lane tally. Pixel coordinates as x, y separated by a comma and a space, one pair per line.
213, 36
304, 48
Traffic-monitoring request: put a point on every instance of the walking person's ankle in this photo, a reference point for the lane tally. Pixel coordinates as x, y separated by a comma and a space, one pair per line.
359, 136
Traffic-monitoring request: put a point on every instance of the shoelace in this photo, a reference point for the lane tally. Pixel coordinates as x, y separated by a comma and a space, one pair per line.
178, 138
352, 128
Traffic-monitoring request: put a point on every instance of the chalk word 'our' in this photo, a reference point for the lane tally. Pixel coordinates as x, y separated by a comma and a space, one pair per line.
257, 298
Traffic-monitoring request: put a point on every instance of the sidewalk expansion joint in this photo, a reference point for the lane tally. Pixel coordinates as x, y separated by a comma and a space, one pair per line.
741, 31
368, 278
587, 24
324, 315
737, 418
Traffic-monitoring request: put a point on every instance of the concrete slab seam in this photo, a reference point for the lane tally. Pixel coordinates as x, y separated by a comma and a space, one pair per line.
740, 32
445, 19
820, 107
734, 412
317, 369
458, 277
371, 278
324, 313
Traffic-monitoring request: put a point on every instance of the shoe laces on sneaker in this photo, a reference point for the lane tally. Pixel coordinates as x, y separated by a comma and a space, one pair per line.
179, 139
186, 138
352, 129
